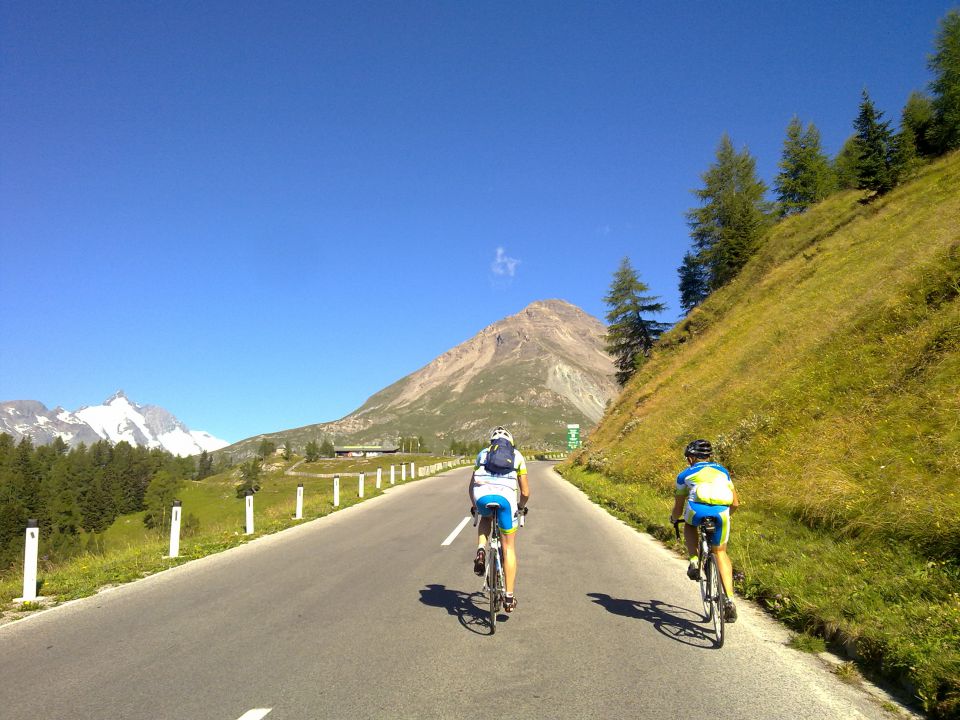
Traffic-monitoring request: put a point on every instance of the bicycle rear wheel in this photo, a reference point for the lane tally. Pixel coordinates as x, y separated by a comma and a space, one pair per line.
705, 586
717, 599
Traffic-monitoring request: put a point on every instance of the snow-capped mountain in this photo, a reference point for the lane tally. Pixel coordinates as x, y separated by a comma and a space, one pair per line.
116, 419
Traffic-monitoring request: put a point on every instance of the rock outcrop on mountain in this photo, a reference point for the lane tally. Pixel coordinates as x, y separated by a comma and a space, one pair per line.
534, 371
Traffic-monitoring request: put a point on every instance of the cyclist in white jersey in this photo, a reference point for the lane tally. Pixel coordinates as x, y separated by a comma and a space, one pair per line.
487, 486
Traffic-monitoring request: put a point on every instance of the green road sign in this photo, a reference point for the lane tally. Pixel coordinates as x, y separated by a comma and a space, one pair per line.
573, 437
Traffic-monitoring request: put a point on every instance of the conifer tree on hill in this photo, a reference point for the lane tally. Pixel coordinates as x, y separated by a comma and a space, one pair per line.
845, 164
806, 176
945, 64
727, 227
876, 167
917, 115
694, 282
629, 335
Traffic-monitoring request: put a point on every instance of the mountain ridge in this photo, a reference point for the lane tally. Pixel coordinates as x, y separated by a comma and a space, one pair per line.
535, 370
116, 419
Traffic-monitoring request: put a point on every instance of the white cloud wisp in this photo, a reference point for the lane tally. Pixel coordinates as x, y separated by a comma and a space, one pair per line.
504, 265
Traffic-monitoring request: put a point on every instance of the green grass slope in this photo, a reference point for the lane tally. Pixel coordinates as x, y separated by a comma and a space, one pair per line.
828, 377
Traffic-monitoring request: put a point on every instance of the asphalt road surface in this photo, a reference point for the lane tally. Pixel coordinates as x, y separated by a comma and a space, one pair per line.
365, 614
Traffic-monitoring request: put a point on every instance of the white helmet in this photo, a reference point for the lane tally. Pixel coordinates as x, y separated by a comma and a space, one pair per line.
501, 432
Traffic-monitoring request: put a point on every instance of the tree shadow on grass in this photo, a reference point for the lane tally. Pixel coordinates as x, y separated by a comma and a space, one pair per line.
470, 609
672, 621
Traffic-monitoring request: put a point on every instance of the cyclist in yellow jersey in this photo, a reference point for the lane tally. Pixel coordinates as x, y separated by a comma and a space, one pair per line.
704, 490
500, 472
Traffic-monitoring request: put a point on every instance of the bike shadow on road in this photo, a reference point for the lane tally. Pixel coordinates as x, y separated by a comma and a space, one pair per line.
675, 622
463, 606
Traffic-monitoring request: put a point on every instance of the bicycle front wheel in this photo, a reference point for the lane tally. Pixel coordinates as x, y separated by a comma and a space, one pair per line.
493, 590
717, 600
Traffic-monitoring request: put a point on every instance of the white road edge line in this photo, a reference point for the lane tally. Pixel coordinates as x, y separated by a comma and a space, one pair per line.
456, 531
255, 714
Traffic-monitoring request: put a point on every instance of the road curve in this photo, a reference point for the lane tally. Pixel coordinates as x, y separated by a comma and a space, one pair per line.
365, 614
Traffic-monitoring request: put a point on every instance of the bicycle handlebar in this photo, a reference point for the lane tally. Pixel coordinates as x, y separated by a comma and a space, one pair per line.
676, 527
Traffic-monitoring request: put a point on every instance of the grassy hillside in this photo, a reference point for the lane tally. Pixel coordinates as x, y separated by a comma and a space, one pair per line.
828, 377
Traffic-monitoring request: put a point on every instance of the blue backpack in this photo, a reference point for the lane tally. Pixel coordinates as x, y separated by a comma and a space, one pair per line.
500, 457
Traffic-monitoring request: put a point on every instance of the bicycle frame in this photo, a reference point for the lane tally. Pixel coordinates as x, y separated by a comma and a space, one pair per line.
712, 594
494, 582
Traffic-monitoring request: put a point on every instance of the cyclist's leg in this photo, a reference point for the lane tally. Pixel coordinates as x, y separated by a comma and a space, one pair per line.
480, 500
725, 567
691, 519
483, 530
509, 560
718, 546
508, 529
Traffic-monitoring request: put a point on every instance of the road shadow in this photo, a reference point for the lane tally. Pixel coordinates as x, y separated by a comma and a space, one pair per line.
470, 609
672, 621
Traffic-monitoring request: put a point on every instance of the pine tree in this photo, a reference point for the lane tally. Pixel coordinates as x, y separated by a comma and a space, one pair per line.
694, 282
727, 227
204, 465
845, 164
945, 64
876, 166
629, 335
805, 176
266, 449
326, 449
917, 116
312, 451
249, 477
159, 500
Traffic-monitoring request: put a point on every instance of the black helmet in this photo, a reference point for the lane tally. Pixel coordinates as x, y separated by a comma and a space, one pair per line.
699, 449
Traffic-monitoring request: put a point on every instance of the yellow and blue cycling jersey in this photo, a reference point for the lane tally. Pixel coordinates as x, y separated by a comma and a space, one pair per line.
501, 489
709, 492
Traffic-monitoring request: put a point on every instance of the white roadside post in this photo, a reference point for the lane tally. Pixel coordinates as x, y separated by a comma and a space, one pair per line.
249, 512
175, 528
336, 491
403, 472
30, 562
379, 477
299, 513
392, 468
360, 485
413, 471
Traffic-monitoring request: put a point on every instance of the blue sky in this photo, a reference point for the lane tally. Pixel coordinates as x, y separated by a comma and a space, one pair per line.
258, 214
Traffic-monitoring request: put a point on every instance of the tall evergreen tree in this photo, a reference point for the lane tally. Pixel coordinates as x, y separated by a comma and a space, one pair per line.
312, 451
876, 167
326, 449
694, 282
917, 116
159, 499
845, 164
249, 477
727, 227
204, 465
945, 64
805, 176
630, 335
266, 448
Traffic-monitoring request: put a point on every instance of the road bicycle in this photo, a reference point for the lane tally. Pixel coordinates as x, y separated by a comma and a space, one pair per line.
712, 594
494, 582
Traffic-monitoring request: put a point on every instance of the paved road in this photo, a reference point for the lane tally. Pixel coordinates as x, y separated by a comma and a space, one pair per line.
364, 614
